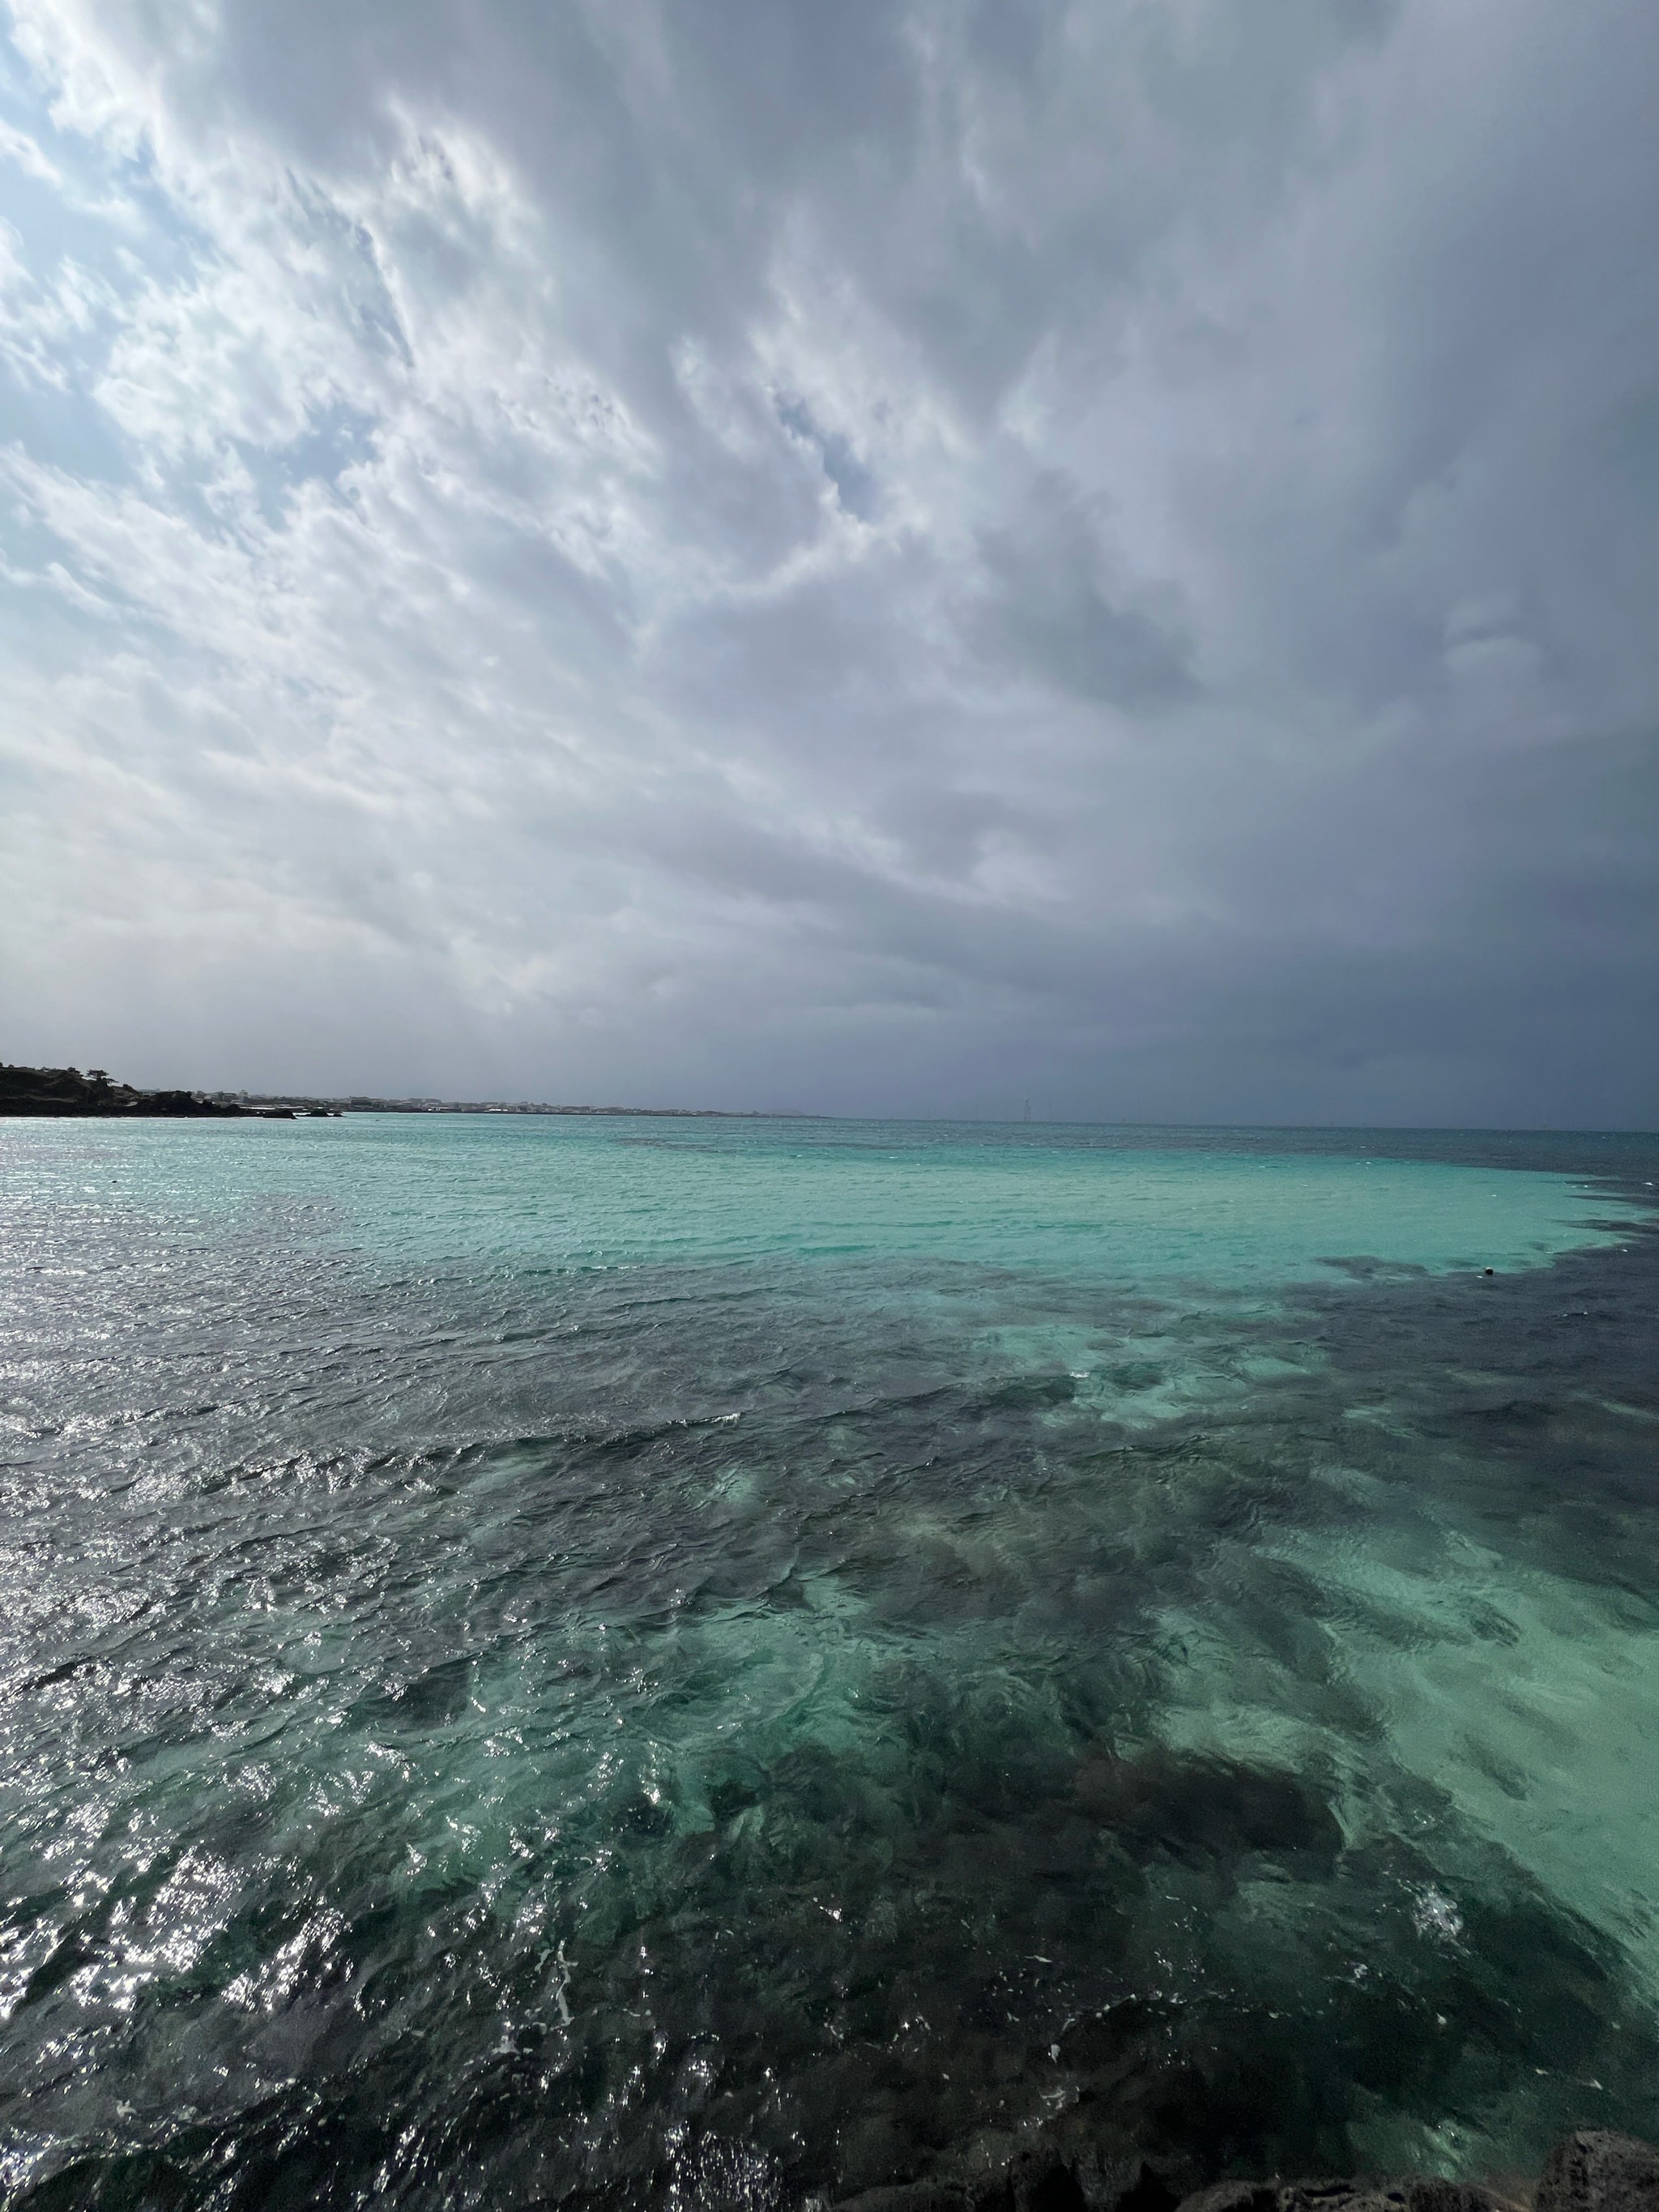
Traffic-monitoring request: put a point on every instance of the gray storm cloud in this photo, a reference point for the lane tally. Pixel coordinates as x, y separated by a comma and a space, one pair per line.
885, 557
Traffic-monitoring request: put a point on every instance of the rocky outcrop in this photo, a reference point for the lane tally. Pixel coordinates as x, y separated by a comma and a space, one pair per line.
1590, 2172
56, 1093
1032, 2180
1595, 2171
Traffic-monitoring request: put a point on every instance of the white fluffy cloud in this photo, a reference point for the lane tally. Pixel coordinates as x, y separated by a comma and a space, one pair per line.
890, 556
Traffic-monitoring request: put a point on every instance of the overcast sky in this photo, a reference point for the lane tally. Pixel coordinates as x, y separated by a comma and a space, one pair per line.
880, 554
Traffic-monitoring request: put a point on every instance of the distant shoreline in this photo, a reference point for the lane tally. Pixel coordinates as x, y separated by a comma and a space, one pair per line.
362, 1105
65, 1094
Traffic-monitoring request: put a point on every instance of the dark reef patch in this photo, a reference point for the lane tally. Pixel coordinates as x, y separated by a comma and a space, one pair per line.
1204, 1807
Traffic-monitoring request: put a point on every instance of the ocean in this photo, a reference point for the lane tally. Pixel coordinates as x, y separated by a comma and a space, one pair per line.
620, 1662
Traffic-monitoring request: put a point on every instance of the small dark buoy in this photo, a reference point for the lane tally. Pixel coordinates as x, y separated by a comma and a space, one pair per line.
1491, 1271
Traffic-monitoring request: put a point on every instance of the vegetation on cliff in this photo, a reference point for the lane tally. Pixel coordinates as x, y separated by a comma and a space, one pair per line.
56, 1092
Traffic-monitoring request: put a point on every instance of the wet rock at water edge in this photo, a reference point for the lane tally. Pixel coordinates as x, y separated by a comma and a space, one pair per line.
1594, 2170
1423, 2193
1036, 2178
1120, 2184
911, 2197
1429, 2194
1233, 2196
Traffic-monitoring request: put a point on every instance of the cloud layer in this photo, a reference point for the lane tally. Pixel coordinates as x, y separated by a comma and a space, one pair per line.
888, 556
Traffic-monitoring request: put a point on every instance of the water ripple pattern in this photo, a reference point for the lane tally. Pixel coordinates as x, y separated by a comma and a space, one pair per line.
618, 1663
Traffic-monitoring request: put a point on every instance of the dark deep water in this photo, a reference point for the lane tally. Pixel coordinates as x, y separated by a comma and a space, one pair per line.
625, 1663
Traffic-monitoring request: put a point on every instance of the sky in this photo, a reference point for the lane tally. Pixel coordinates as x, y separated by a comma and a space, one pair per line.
899, 557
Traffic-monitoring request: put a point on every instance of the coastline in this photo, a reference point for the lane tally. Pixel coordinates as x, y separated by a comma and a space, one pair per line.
64, 1093
58, 1094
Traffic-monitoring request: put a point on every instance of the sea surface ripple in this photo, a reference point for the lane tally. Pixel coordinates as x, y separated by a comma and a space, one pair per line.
614, 1662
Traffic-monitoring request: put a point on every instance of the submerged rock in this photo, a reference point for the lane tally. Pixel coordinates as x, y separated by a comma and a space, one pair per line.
1196, 1807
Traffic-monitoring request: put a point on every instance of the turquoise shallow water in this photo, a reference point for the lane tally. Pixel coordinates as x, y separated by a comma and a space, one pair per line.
717, 1663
